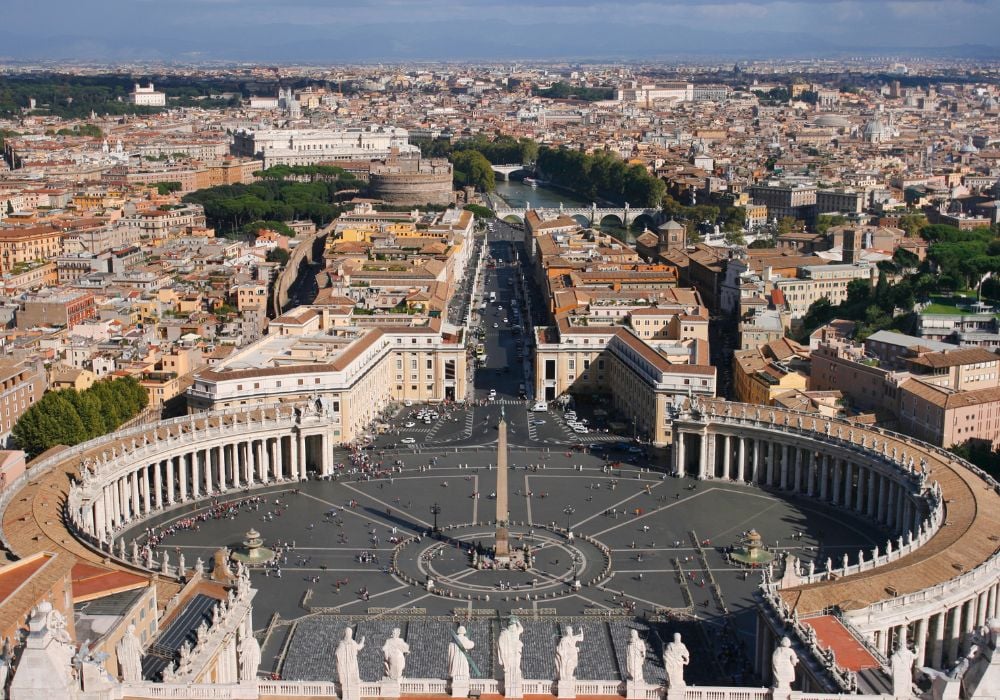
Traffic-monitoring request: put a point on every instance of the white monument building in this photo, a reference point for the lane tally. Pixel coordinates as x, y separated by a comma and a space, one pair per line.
147, 96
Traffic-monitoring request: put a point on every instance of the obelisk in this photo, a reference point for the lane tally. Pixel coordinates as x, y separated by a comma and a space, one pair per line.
501, 550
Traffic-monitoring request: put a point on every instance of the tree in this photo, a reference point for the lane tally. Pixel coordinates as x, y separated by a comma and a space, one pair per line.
165, 188
787, 224
825, 221
278, 255
735, 238
913, 223
10, 207
473, 169
479, 211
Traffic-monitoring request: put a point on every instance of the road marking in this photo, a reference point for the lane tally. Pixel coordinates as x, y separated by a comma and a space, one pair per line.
631, 520
653, 485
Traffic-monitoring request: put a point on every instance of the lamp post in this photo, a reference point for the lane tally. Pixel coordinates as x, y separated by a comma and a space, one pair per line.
568, 510
435, 511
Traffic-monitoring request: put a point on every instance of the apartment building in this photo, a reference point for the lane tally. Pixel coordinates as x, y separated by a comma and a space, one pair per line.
19, 246
795, 200
21, 385
355, 371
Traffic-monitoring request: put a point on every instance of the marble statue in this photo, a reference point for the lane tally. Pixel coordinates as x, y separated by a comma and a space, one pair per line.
249, 651
185, 657
509, 646
675, 658
458, 661
567, 654
902, 667
129, 652
347, 665
199, 567
201, 633
394, 653
783, 662
635, 656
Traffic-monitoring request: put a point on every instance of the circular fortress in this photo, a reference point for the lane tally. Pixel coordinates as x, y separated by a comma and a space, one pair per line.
412, 181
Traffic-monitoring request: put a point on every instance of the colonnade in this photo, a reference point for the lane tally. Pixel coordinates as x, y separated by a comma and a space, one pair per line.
194, 465
804, 467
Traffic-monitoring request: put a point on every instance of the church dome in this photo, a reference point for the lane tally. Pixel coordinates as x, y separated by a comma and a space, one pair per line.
836, 121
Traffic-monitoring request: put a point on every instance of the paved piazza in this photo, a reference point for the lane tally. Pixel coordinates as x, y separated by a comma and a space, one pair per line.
648, 522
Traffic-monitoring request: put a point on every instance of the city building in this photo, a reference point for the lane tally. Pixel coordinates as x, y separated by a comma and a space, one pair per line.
147, 96
310, 146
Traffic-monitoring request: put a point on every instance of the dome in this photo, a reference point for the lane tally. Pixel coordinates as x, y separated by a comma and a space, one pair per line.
877, 130
836, 121
968, 148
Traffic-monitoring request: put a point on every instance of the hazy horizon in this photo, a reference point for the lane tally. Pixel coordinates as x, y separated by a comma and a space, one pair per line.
338, 30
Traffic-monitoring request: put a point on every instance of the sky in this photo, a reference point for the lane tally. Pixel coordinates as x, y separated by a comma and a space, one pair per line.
385, 30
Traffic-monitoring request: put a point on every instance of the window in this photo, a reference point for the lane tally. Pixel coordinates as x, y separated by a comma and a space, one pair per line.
430, 364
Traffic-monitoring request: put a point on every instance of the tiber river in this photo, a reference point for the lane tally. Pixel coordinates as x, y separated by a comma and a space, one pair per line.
517, 194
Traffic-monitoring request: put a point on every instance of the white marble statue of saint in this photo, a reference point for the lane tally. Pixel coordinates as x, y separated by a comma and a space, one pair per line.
902, 667
635, 657
675, 658
567, 654
458, 662
783, 662
249, 651
347, 665
394, 653
129, 652
509, 646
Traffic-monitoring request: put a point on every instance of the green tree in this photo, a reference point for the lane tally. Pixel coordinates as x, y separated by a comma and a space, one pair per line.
473, 169
479, 211
913, 223
735, 238
10, 207
787, 224
278, 255
825, 221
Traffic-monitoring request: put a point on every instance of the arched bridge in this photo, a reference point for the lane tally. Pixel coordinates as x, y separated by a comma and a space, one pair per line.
592, 216
505, 171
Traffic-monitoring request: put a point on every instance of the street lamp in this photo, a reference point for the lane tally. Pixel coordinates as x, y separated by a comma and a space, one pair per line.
568, 510
435, 511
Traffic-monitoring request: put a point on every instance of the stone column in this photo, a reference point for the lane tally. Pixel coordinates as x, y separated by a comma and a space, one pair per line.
279, 455
798, 469
937, 652
824, 477
157, 485
196, 465
728, 449
261, 468
920, 641
769, 476
325, 466
144, 484
872, 491
136, 501
170, 479
954, 633
848, 484
811, 473
680, 454
702, 455
982, 602
293, 457
758, 456
239, 463
183, 472
100, 516
885, 486
301, 462
211, 458
742, 457
891, 507
784, 466
838, 479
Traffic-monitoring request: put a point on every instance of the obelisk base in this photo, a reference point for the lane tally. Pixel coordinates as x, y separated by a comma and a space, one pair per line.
501, 548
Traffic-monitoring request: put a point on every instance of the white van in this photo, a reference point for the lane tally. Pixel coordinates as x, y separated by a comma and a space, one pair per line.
540, 406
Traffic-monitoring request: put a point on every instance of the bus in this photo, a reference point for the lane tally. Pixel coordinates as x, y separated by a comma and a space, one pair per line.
480, 350
493, 297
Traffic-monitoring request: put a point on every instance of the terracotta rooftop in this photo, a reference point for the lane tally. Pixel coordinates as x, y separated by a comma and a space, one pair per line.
850, 655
